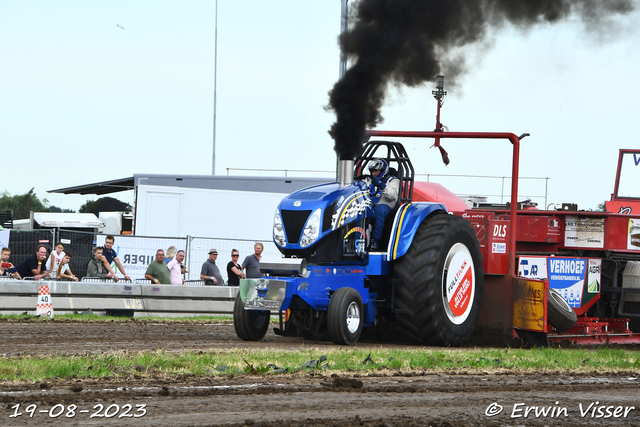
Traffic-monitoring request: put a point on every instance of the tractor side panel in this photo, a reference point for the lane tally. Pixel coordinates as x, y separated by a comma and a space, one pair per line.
405, 224
493, 235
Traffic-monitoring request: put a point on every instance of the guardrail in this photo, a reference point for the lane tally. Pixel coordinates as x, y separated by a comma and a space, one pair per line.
18, 296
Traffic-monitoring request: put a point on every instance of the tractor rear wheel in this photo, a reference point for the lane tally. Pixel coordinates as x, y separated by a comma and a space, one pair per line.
561, 315
250, 325
345, 316
440, 282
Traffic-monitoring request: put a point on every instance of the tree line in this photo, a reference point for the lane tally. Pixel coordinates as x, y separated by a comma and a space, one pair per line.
22, 204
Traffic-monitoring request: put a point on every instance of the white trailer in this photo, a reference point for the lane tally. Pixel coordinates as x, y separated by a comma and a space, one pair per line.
216, 206
40, 220
223, 207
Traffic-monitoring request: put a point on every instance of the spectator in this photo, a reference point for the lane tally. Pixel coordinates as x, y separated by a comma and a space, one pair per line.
96, 268
251, 263
210, 272
171, 253
234, 270
6, 268
54, 260
35, 265
157, 271
64, 272
109, 256
176, 269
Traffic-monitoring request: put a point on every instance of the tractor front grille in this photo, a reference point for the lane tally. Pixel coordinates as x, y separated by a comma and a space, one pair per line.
293, 222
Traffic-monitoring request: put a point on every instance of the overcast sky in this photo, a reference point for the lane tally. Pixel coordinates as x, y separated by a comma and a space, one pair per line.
83, 100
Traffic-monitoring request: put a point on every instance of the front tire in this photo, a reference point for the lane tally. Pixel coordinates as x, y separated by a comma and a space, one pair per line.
345, 316
250, 325
440, 282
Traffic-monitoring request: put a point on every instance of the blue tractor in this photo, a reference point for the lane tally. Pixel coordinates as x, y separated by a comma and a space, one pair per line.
426, 273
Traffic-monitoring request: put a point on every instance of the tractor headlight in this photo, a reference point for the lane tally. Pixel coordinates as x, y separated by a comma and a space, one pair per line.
278, 230
311, 230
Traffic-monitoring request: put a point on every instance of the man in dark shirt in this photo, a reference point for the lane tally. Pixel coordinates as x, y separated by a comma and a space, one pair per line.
34, 266
251, 263
109, 256
210, 272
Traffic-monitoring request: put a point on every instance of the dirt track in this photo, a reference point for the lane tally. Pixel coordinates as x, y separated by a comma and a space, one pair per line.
381, 398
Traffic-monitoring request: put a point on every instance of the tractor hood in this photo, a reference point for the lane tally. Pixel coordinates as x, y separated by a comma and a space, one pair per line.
303, 218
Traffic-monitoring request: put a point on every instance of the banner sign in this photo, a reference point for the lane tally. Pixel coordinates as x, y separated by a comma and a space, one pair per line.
576, 279
136, 253
584, 232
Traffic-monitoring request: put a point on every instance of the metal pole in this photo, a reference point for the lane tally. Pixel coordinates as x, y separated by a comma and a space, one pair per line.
344, 24
187, 258
546, 191
215, 86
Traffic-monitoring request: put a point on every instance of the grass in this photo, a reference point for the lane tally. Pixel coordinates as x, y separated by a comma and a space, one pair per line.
273, 361
83, 318
269, 361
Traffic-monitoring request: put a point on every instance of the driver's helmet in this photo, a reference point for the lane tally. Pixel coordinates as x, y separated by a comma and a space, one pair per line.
379, 165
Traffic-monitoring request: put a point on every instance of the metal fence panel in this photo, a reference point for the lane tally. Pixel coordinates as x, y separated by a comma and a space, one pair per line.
81, 244
24, 243
136, 252
199, 252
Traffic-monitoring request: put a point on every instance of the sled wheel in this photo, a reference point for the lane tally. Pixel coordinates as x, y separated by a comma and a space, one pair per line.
440, 282
345, 316
250, 325
560, 314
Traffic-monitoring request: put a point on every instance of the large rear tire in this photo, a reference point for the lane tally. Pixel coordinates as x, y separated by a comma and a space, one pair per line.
250, 325
561, 315
440, 282
345, 316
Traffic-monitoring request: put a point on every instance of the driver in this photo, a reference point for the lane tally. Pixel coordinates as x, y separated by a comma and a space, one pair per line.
384, 189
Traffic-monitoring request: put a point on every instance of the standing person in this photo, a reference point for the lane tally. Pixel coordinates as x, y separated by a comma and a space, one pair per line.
64, 272
157, 271
176, 269
210, 272
35, 266
54, 260
110, 256
171, 253
6, 268
96, 268
251, 263
234, 270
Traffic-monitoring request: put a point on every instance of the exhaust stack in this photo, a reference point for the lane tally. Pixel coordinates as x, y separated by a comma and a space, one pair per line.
345, 172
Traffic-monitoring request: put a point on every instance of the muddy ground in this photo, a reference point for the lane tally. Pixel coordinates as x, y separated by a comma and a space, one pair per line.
383, 397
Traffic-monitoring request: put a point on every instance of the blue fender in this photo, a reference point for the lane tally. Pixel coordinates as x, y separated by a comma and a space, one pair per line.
408, 218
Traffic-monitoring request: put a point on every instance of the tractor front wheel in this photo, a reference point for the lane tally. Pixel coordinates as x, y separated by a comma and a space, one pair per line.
440, 284
345, 316
250, 325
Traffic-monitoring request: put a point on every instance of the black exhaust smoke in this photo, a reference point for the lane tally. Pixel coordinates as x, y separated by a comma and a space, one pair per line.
406, 42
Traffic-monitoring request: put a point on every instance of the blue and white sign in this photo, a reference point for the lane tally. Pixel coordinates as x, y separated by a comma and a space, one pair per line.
567, 275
